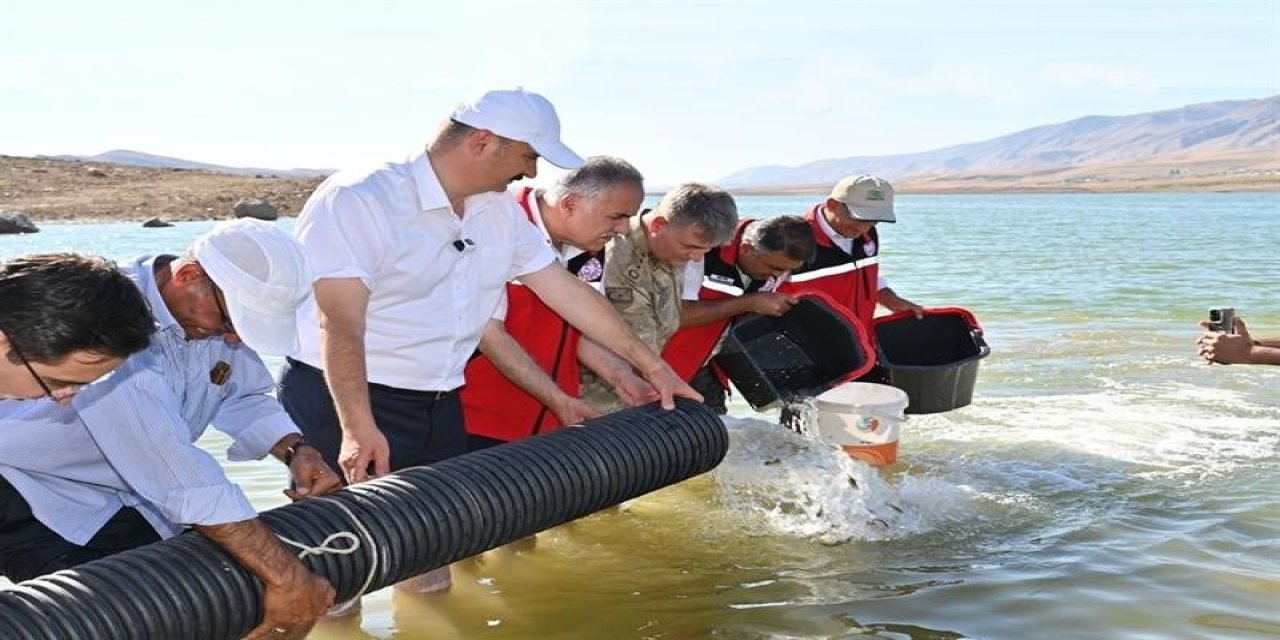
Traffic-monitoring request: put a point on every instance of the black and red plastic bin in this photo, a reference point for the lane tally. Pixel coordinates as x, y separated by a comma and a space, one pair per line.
819, 345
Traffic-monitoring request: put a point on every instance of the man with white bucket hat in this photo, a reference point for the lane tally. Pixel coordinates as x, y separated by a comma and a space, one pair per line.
117, 466
411, 262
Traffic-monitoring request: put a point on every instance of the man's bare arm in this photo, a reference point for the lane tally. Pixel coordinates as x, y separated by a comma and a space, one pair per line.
632, 389
293, 597
343, 303
591, 313
695, 313
515, 363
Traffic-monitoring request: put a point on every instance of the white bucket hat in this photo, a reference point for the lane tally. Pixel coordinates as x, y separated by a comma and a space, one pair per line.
263, 275
520, 115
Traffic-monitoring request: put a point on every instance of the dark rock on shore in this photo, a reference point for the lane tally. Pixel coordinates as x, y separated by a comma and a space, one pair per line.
16, 222
255, 208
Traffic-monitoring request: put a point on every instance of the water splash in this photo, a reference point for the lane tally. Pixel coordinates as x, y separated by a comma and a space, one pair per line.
786, 483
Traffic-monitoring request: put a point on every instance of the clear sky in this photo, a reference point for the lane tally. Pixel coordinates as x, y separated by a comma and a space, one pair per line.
688, 89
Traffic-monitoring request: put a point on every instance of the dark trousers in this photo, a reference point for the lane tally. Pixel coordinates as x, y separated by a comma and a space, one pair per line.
479, 443
421, 427
714, 395
28, 549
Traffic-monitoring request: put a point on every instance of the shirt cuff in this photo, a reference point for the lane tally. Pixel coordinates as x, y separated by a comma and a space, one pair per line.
255, 443
221, 504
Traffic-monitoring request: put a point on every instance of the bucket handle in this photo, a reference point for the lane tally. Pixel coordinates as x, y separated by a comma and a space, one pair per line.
983, 349
877, 414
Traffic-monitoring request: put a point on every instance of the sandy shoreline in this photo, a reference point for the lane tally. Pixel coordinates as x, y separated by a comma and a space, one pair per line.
62, 192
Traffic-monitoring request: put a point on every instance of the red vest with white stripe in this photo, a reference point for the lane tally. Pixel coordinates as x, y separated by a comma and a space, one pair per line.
495, 408
851, 279
690, 348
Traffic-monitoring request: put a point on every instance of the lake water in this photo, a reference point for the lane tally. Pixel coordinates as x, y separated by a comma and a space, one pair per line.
1104, 483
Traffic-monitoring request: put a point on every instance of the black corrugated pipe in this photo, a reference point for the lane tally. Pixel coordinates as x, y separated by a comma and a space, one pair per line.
417, 519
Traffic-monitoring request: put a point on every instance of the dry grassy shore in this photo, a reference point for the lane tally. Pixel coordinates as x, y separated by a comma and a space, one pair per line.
62, 191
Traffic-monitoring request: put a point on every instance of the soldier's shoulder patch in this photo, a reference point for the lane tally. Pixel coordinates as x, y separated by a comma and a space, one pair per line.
619, 294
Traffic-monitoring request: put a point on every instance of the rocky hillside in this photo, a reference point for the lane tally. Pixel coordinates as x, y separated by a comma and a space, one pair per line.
49, 190
1221, 138
140, 159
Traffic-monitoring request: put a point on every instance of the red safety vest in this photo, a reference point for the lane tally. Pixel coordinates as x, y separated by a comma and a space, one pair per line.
690, 348
848, 278
495, 408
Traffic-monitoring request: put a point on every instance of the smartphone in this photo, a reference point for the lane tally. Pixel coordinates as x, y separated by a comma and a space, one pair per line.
1222, 319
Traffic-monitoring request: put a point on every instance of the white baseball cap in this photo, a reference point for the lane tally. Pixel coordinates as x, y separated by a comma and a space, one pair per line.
869, 198
263, 275
520, 115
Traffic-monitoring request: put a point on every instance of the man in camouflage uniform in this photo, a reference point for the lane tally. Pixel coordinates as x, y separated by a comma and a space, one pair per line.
645, 277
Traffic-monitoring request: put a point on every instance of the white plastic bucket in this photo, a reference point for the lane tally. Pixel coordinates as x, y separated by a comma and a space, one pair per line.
864, 419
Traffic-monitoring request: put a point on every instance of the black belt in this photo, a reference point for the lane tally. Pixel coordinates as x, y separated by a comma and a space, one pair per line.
414, 393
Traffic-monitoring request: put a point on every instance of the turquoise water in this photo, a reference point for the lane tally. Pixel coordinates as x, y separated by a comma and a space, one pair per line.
1104, 483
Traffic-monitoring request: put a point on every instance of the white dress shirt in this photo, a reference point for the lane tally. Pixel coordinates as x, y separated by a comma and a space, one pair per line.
394, 229
134, 446
693, 279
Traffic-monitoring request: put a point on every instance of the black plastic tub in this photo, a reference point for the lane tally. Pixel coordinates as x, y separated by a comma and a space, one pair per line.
813, 347
934, 358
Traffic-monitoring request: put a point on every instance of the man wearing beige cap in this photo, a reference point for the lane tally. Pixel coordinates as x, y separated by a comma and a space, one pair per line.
411, 261
846, 265
117, 467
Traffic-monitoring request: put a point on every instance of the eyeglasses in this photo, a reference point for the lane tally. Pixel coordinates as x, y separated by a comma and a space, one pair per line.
62, 393
227, 327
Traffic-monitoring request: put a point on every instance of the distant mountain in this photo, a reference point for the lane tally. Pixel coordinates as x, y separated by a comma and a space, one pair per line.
140, 159
1240, 128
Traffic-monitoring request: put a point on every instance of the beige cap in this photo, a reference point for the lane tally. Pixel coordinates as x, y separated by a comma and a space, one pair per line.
869, 198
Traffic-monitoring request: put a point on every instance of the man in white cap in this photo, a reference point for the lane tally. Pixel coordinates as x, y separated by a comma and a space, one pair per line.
846, 265
411, 260
117, 466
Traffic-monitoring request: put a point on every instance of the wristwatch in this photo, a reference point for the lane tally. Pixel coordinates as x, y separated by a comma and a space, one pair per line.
292, 450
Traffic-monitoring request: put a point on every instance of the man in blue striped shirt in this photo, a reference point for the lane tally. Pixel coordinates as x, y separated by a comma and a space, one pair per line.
117, 467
